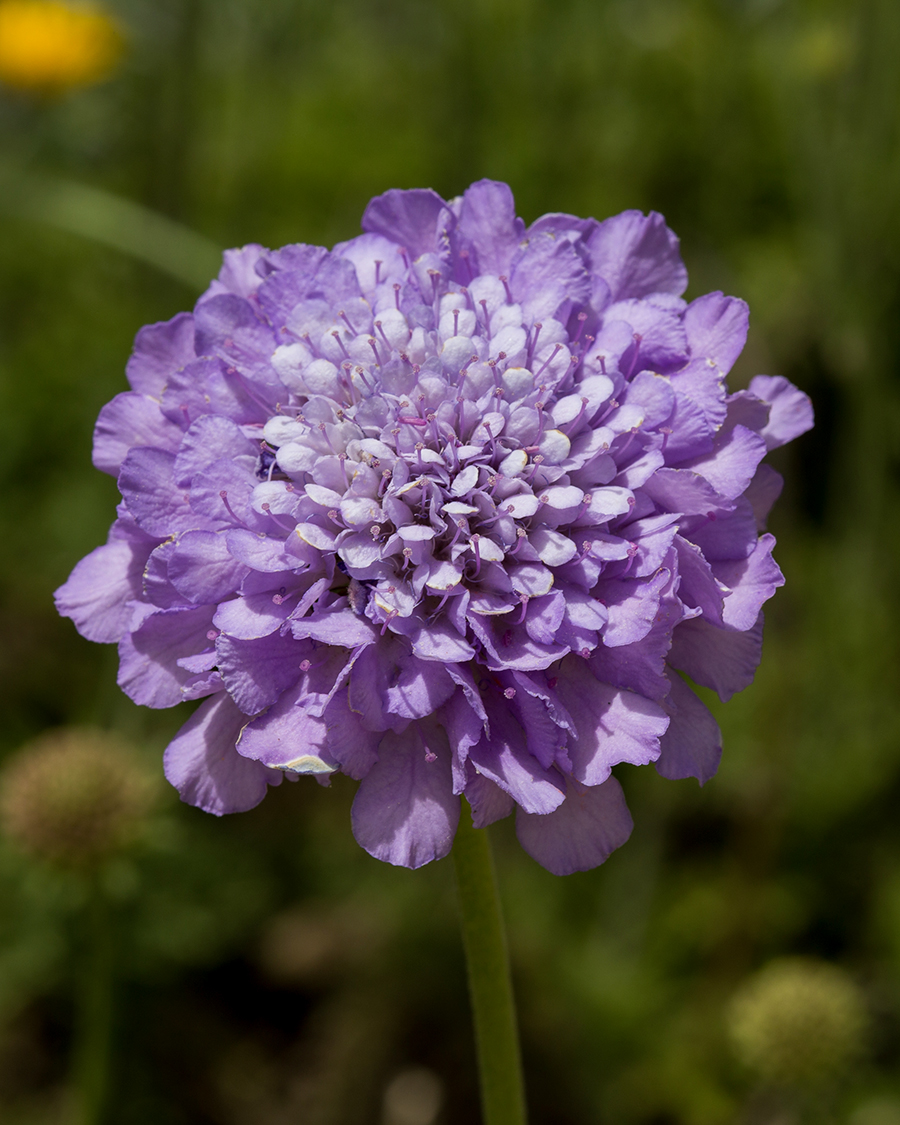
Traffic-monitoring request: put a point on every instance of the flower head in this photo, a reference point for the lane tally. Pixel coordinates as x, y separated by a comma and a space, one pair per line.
442, 508
74, 797
47, 46
798, 1022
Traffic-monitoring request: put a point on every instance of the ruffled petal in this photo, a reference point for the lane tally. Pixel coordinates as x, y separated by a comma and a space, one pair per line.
791, 411
692, 744
637, 254
203, 765
583, 832
404, 811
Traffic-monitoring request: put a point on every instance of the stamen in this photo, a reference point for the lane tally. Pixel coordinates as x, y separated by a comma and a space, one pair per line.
505, 281
533, 344
476, 539
373, 344
346, 321
574, 423
582, 317
524, 599
277, 518
397, 288
377, 271
464, 254
324, 432
549, 359
381, 332
456, 322
340, 342
637, 348
487, 315
224, 497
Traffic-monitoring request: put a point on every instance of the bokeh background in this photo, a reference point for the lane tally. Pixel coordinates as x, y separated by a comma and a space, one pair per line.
262, 969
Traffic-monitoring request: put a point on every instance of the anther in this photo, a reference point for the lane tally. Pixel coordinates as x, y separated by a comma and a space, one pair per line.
510, 693
212, 634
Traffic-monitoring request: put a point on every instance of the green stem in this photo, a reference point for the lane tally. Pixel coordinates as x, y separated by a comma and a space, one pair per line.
490, 986
93, 1031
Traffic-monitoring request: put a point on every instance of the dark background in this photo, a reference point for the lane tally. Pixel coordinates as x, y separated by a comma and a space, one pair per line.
267, 970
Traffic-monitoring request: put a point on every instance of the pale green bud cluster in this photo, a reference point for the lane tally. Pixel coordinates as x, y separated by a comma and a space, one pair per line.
798, 1023
74, 797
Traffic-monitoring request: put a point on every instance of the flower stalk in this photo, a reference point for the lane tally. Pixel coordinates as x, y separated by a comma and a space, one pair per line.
490, 985
91, 1062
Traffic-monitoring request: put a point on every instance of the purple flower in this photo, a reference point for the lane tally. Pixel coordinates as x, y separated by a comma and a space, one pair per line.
443, 509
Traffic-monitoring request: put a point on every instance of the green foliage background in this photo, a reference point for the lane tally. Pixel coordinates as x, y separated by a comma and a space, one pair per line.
768, 133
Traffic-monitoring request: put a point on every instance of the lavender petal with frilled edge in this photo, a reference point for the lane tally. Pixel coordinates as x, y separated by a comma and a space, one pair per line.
203, 765
589, 825
442, 509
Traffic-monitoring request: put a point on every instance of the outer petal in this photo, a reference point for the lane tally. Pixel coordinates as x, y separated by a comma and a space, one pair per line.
130, 419
99, 589
159, 350
791, 413
586, 828
502, 757
409, 218
752, 580
637, 254
692, 745
149, 672
257, 672
730, 466
613, 725
488, 223
203, 765
716, 328
547, 273
201, 569
404, 812
288, 737
149, 490
720, 659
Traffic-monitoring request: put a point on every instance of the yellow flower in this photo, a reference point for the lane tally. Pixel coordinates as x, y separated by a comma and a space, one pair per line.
47, 46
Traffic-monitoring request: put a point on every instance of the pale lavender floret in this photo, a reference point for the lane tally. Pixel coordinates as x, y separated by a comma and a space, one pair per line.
443, 509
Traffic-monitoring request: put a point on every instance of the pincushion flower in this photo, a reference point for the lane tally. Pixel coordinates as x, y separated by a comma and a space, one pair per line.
448, 509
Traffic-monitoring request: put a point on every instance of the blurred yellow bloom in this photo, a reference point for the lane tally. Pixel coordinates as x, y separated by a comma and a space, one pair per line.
47, 46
